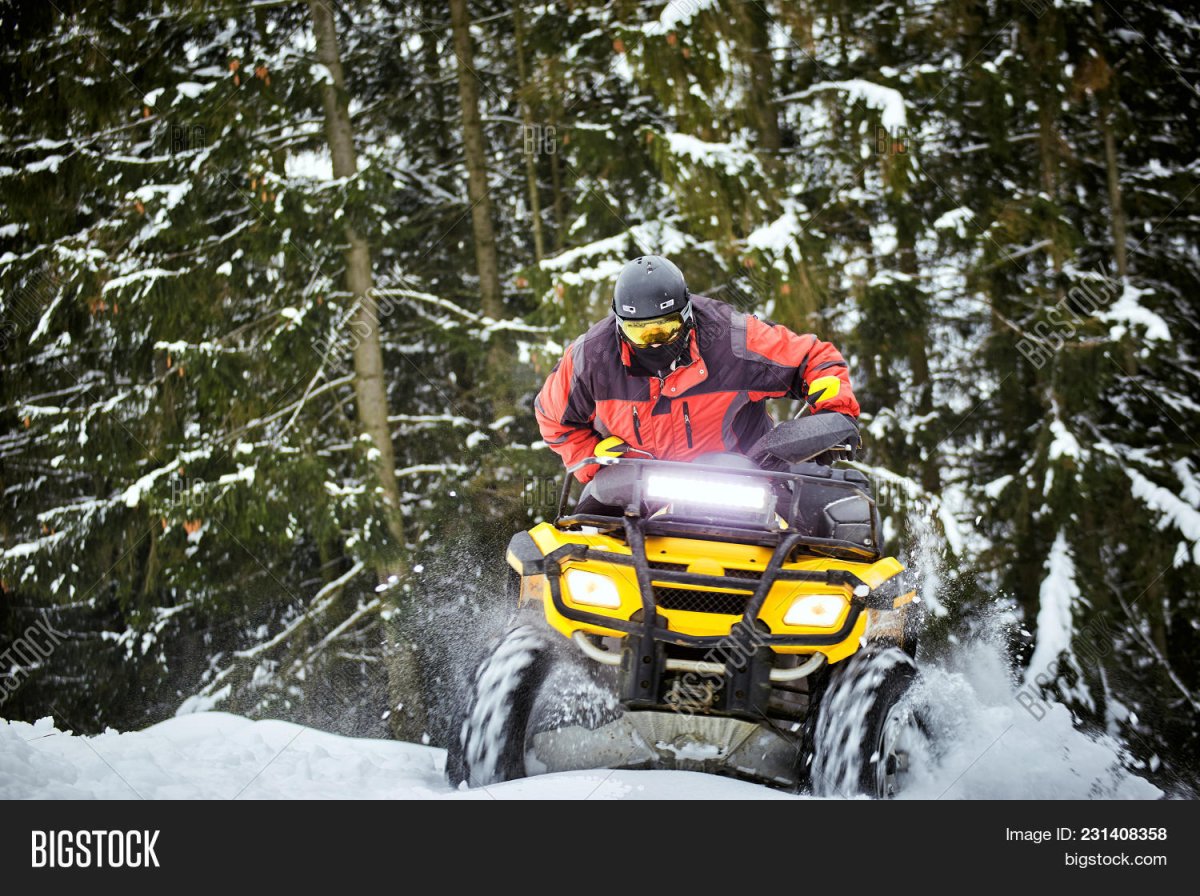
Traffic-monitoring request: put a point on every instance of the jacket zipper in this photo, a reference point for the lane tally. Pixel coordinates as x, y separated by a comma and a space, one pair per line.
687, 424
637, 426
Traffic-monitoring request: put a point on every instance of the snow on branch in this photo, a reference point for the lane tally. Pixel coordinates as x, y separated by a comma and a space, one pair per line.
487, 324
321, 602
447, 469
32, 547
612, 252
452, 419
372, 606
1172, 510
778, 237
146, 277
294, 406
132, 496
1056, 600
887, 100
732, 158
677, 14
1128, 312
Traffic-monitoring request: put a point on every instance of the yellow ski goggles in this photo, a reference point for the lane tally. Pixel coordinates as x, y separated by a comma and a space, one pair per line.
653, 331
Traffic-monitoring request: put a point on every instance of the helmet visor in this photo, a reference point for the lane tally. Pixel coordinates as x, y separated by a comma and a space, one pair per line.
653, 331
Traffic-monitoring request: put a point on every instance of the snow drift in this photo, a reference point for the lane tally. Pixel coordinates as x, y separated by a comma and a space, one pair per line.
989, 748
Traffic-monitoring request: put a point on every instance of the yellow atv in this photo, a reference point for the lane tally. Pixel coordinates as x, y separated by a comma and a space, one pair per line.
732, 615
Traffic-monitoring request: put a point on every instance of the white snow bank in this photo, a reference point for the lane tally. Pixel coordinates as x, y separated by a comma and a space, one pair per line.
215, 755
991, 748
990, 745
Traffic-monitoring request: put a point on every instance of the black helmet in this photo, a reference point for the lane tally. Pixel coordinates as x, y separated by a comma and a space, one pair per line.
650, 286
654, 311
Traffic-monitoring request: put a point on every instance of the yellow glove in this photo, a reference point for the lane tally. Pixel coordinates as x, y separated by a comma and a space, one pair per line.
613, 446
822, 389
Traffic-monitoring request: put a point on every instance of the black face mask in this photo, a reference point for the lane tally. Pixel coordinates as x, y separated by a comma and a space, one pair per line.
658, 359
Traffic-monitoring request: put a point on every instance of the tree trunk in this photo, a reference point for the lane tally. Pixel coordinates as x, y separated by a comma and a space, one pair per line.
762, 73
474, 148
1048, 165
499, 385
431, 63
1044, 61
556, 184
915, 323
1115, 205
369, 384
553, 108
528, 142
1106, 101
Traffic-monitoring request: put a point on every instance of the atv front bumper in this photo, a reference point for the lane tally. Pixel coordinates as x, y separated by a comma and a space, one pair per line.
741, 653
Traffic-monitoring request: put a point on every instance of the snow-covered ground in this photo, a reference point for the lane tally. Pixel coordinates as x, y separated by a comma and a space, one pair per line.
990, 748
215, 755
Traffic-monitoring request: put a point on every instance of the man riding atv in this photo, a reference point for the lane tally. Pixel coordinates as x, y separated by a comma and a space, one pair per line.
674, 376
717, 599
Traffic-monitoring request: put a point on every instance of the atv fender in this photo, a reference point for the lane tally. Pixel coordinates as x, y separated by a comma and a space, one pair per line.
524, 555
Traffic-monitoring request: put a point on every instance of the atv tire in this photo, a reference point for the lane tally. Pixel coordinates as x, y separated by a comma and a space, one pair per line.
865, 726
492, 741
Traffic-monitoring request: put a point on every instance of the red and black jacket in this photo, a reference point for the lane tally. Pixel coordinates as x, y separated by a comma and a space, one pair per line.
713, 403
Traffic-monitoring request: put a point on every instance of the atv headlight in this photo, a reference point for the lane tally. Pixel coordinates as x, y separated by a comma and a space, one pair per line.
692, 490
592, 588
816, 610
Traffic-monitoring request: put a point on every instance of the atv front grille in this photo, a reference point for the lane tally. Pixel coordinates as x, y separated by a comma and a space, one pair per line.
700, 601
667, 566
752, 574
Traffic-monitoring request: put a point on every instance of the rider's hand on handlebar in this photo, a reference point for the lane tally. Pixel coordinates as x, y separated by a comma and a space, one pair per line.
613, 446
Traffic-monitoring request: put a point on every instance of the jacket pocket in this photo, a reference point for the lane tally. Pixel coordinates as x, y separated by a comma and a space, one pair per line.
687, 424
637, 426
